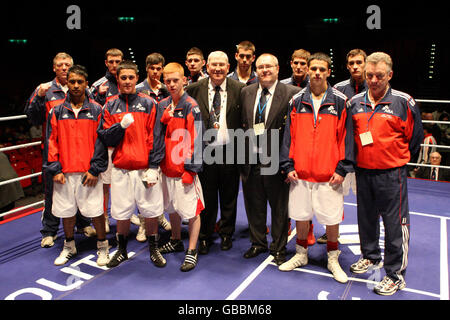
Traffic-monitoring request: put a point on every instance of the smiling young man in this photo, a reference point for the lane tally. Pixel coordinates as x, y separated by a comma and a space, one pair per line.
387, 135
75, 159
316, 156
128, 125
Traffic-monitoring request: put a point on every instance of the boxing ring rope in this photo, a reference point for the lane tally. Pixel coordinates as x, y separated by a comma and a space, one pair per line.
26, 145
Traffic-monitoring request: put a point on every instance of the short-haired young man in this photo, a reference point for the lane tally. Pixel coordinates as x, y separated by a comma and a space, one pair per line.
127, 125
182, 128
245, 56
76, 157
316, 155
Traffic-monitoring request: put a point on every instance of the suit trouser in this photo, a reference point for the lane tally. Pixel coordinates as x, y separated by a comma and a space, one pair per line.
220, 185
50, 223
384, 193
258, 190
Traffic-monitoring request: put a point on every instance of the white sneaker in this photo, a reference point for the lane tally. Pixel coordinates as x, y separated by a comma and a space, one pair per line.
141, 237
69, 250
387, 286
135, 220
102, 252
300, 259
107, 229
163, 222
335, 268
365, 265
48, 241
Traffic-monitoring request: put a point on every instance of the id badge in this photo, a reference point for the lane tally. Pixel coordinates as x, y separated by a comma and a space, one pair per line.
259, 128
366, 138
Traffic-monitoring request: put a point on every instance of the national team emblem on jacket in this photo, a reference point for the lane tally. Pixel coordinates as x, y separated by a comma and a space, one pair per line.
332, 110
386, 109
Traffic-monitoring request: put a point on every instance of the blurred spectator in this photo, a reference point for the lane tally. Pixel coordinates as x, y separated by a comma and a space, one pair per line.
11, 192
435, 130
425, 151
445, 129
432, 173
36, 132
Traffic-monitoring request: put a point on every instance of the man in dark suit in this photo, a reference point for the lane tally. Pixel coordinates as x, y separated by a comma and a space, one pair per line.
264, 111
433, 173
218, 98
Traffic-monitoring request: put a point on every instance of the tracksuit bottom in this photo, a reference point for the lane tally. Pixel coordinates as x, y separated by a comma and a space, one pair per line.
384, 193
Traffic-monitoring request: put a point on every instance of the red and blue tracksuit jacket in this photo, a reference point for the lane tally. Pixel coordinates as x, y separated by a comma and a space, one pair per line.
139, 146
37, 108
396, 128
253, 77
316, 148
108, 80
292, 82
350, 88
183, 136
144, 87
72, 144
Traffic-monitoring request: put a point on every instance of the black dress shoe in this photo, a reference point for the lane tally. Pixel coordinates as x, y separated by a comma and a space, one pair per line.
279, 258
254, 251
226, 243
203, 247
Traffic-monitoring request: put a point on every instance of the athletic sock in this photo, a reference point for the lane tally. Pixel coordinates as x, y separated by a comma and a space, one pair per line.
303, 243
332, 246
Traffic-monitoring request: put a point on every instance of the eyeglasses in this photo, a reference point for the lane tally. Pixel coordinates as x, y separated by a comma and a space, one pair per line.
264, 66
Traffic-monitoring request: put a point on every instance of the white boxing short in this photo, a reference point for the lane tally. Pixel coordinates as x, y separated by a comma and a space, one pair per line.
72, 195
186, 200
128, 193
106, 175
307, 199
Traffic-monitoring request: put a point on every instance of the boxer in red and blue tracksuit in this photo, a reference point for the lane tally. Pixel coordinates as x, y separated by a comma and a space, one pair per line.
37, 109
67, 132
381, 174
134, 149
186, 116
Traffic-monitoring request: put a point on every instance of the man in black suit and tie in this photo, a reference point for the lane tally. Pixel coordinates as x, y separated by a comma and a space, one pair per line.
264, 111
433, 173
219, 100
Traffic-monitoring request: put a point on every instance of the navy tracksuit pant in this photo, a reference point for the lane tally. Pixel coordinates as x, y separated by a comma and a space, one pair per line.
384, 193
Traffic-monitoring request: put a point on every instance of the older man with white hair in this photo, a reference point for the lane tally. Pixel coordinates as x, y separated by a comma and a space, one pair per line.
387, 134
219, 100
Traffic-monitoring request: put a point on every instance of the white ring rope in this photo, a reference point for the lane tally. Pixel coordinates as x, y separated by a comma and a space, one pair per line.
26, 145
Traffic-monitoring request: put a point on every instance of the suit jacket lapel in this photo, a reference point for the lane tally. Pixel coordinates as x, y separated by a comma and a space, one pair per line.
230, 102
275, 106
252, 99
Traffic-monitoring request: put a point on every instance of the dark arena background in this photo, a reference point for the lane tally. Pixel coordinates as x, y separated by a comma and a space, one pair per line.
415, 34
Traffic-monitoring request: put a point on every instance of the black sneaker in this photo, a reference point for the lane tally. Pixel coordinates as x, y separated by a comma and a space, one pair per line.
190, 261
157, 258
119, 257
172, 246
155, 255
